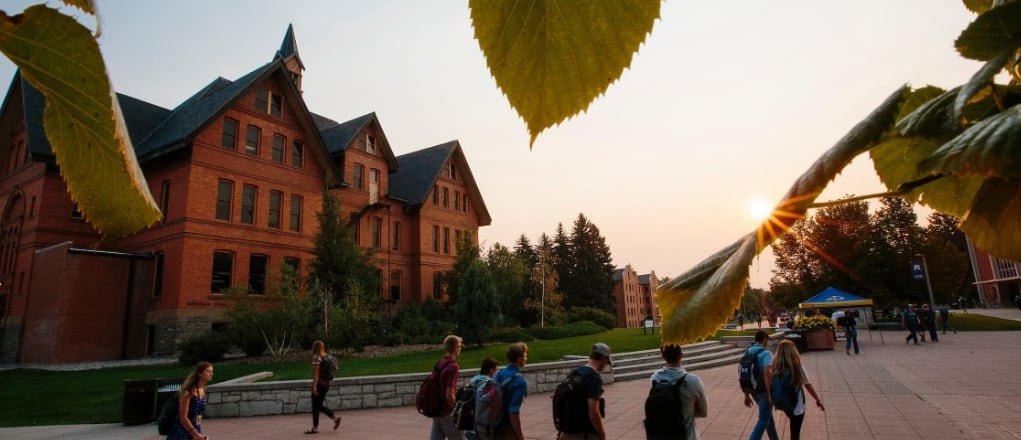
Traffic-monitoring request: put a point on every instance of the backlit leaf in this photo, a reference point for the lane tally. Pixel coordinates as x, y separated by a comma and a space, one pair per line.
993, 223
895, 161
695, 303
86, 6
981, 80
83, 121
932, 113
991, 147
978, 6
553, 58
996, 31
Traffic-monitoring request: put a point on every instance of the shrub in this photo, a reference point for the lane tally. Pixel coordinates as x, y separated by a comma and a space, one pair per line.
581, 328
210, 347
510, 335
422, 323
598, 316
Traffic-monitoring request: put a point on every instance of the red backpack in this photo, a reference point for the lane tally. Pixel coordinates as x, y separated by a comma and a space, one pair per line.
431, 400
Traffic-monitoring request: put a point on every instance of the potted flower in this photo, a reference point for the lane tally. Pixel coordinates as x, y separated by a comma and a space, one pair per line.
817, 331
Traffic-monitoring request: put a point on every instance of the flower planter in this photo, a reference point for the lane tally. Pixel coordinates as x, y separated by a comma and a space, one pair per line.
820, 339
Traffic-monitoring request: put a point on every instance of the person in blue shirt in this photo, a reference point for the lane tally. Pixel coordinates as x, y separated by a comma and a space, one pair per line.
910, 320
763, 400
515, 391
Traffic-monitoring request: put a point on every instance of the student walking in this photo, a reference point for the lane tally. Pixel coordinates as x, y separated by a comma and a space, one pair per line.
443, 425
850, 331
789, 373
659, 423
324, 369
589, 412
764, 361
486, 372
513, 394
944, 318
910, 320
191, 404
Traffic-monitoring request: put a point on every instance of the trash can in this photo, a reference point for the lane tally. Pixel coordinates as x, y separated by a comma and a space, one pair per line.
167, 389
139, 405
797, 339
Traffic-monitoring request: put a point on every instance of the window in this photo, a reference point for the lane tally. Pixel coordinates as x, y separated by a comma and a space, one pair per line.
437, 285
295, 264
266, 101
275, 198
356, 232
453, 170
358, 176
373, 176
224, 194
75, 213
262, 100
377, 226
223, 267
1004, 268
436, 195
157, 276
457, 236
257, 273
395, 240
446, 241
457, 200
276, 104
436, 239
443, 200
464, 204
248, 204
298, 155
278, 148
370, 144
252, 140
295, 217
164, 199
230, 134
395, 286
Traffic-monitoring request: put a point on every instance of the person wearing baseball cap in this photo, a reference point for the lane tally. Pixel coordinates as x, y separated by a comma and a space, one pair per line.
592, 383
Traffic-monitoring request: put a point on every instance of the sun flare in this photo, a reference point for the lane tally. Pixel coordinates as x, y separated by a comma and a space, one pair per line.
759, 209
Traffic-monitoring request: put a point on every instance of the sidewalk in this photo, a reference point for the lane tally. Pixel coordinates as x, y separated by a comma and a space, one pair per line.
964, 387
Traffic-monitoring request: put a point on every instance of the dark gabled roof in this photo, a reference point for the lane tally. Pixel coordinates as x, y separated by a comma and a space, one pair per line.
417, 173
644, 279
193, 114
322, 122
618, 274
140, 117
289, 47
339, 136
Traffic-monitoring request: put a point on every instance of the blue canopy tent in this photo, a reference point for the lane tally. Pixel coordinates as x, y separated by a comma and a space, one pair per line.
831, 297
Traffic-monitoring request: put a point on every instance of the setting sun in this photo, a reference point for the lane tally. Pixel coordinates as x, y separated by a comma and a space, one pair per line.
759, 209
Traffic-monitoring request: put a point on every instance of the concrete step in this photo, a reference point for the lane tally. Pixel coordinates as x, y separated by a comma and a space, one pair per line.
710, 354
690, 355
651, 365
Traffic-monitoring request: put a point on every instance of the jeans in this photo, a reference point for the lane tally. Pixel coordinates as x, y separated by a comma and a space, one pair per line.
851, 335
796, 422
317, 404
765, 422
932, 332
443, 428
912, 335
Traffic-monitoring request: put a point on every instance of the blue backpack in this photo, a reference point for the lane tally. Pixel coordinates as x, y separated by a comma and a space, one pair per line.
785, 395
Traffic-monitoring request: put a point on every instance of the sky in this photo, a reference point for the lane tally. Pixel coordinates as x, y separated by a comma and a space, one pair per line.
724, 104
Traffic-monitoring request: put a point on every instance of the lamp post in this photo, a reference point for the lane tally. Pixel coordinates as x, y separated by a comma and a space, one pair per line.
542, 301
925, 274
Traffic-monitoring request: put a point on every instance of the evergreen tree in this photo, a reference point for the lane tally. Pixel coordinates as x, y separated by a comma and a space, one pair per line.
544, 302
562, 262
524, 250
340, 265
467, 253
478, 308
591, 268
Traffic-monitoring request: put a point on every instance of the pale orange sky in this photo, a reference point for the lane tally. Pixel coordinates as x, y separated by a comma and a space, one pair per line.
726, 102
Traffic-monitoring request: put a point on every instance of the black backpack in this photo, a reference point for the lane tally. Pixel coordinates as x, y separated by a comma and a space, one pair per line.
327, 368
663, 418
168, 416
749, 373
464, 408
785, 396
570, 404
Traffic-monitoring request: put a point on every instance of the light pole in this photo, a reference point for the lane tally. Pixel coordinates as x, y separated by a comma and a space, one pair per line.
928, 284
542, 301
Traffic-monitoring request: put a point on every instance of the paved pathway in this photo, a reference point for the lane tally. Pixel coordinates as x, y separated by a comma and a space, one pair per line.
967, 386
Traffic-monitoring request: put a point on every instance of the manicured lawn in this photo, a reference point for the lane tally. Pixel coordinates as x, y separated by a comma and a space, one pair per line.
974, 322
39, 397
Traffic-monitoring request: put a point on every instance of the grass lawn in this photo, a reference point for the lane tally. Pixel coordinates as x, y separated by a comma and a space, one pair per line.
975, 322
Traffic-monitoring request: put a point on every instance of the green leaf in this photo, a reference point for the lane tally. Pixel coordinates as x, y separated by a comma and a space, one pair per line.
895, 161
931, 113
992, 224
695, 303
553, 58
83, 121
86, 6
996, 31
988, 148
978, 6
981, 80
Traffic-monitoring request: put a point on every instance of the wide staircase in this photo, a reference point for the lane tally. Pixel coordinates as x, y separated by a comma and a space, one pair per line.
699, 356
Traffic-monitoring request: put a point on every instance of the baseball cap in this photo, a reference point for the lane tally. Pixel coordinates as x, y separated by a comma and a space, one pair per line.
603, 350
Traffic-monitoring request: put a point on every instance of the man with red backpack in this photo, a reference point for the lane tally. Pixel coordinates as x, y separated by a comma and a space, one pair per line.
447, 371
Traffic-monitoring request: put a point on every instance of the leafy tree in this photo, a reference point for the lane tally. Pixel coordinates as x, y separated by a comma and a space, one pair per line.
280, 317
340, 265
467, 253
946, 252
545, 301
477, 309
511, 279
356, 321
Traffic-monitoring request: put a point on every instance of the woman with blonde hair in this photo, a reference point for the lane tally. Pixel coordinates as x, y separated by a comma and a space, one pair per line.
191, 404
787, 367
321, 385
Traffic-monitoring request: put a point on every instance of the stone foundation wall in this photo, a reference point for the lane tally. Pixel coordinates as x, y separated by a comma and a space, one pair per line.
294, 396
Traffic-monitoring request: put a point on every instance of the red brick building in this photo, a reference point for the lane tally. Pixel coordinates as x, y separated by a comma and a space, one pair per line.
997, 281
635, 297
238, 170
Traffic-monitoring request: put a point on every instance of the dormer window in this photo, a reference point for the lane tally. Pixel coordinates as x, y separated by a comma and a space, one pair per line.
449, 171
266, 101
370, 144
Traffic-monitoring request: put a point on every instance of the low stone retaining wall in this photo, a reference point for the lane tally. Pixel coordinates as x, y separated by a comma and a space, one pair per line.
294, 396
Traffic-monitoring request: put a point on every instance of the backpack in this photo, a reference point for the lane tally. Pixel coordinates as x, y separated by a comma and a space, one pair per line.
663, 418
464, 408
431, 399
328, 368
749, 373
570, 404
168, 416
785, 396
491, 404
